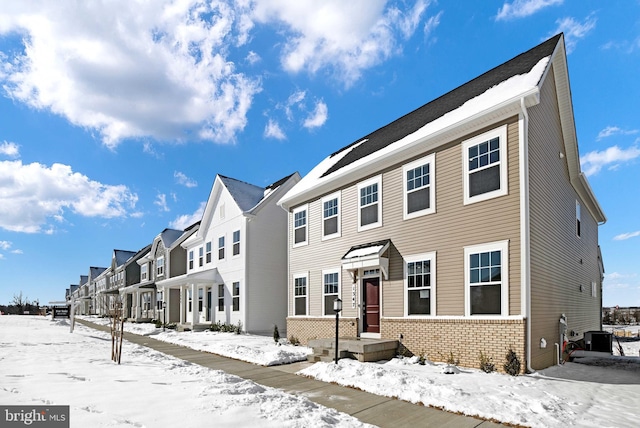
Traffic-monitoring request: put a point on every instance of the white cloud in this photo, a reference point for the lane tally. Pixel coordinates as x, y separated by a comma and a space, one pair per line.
318, 117
17, 252
161, 202
523, 8
624, 236
574, 30
431, 24
186, 220
613, 157
31, 194
184, 180
343, 37
273, 130
5, 245
9, 149
614, 130
132, 69
253, 58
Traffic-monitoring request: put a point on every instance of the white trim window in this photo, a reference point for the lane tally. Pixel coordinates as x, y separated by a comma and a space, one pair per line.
370, 203
487, 279
300, 301
208, 252
200, 256
485, 166
144, 269
300, 230
221, 248
594, 289
578, 219
190, 259
420, 285
236, 297
236, 242
220, 297
200, 299
331, 216
419, 184
160, 266
330, 290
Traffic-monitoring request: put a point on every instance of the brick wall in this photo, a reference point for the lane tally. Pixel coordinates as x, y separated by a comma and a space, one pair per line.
465, 338
305, 329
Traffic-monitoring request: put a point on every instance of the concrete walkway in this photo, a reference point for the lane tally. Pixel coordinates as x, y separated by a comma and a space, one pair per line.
369, 408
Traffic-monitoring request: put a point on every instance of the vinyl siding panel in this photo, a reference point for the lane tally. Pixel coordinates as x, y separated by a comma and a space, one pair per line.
560, 261
445, 232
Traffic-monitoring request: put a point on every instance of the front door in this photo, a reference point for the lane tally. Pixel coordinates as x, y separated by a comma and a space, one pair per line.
371, 308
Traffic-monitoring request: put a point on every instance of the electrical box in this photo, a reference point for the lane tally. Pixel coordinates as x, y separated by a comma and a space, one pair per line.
598, 341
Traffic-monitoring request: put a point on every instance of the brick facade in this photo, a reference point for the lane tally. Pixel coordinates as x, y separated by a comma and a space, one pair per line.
305, 329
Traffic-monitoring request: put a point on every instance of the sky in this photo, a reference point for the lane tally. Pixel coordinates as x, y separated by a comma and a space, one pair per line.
116, 116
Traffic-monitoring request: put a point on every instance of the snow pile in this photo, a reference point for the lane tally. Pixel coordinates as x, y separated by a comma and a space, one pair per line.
546, 399
42, 363
246, 347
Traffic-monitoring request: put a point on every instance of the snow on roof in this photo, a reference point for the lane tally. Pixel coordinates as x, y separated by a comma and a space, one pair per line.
121, 256
246, 195
366, 249
511, 80
169, 236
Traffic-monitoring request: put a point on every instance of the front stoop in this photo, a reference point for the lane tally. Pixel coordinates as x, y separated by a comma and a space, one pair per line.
363, 350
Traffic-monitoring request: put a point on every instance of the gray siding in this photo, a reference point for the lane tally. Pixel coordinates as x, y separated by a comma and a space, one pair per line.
560, 261
446, 232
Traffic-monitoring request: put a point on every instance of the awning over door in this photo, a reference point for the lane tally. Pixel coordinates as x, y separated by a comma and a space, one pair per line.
367, 256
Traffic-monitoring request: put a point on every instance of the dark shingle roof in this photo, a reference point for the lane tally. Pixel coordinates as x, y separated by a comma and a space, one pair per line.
279, 183
122, 256
448, 102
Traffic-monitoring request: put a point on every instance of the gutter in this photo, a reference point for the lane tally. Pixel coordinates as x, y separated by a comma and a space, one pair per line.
525, 231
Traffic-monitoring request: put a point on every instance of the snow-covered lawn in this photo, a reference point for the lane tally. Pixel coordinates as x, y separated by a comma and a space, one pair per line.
41, 362
246, 347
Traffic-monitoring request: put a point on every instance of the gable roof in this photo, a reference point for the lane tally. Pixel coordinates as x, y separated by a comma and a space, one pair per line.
121, 256
504, 91
246, 195
94, 272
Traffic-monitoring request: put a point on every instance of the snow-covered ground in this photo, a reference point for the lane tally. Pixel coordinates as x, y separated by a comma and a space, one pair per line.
41, 362
246, 347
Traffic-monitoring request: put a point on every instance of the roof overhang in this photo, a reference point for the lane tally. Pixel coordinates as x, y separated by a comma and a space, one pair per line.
112, 291
209, 276
367, 256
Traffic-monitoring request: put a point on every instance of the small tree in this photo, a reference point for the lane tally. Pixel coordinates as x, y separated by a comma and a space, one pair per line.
486, 365
276, 333
512, 366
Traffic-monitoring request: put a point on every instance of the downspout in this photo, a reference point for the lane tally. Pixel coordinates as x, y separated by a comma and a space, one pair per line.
525, 242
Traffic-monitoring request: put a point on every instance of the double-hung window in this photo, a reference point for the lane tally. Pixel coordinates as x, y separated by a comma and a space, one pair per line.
200, 256
143, 272
370, 203
300, 226
331, 216
487, 279
190, 259
208, 252
160, 266
330, 290
420, 282
300, 295
419, 187
236, 242
578, 218
221, 248
221, 297
485, 165
236, 296
200, 299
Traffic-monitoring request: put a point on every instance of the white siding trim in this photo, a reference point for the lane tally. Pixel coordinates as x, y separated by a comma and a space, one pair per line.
501, 133
502, 246
416, 258
431, 160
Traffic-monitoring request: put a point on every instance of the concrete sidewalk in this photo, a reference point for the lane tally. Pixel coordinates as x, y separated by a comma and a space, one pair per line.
369, 408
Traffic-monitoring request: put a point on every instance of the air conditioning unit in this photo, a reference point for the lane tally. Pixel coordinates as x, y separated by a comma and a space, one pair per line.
598, 341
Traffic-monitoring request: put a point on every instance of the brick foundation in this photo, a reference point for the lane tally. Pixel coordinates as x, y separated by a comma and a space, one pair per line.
436, 339
305, 329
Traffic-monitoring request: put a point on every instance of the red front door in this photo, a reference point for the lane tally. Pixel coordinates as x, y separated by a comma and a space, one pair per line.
371, 305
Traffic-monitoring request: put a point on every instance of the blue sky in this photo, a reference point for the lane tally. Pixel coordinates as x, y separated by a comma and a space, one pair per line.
116, 116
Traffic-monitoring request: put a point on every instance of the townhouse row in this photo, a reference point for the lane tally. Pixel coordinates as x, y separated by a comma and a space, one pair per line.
465, 226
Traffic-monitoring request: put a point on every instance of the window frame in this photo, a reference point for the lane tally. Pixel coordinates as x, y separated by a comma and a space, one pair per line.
578, 219
191, 255
160, 266
221, 297
427, 160
364, 184
221, 247
295, 211
200, 256
338, 215
208, 252
326, 272
236, 244
503, 247
501, 133
200, 299
304, 276
144, 271
235, 296
431, 257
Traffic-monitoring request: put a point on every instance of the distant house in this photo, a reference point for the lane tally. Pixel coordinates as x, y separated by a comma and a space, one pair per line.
92, 290
465, 226
236, 261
